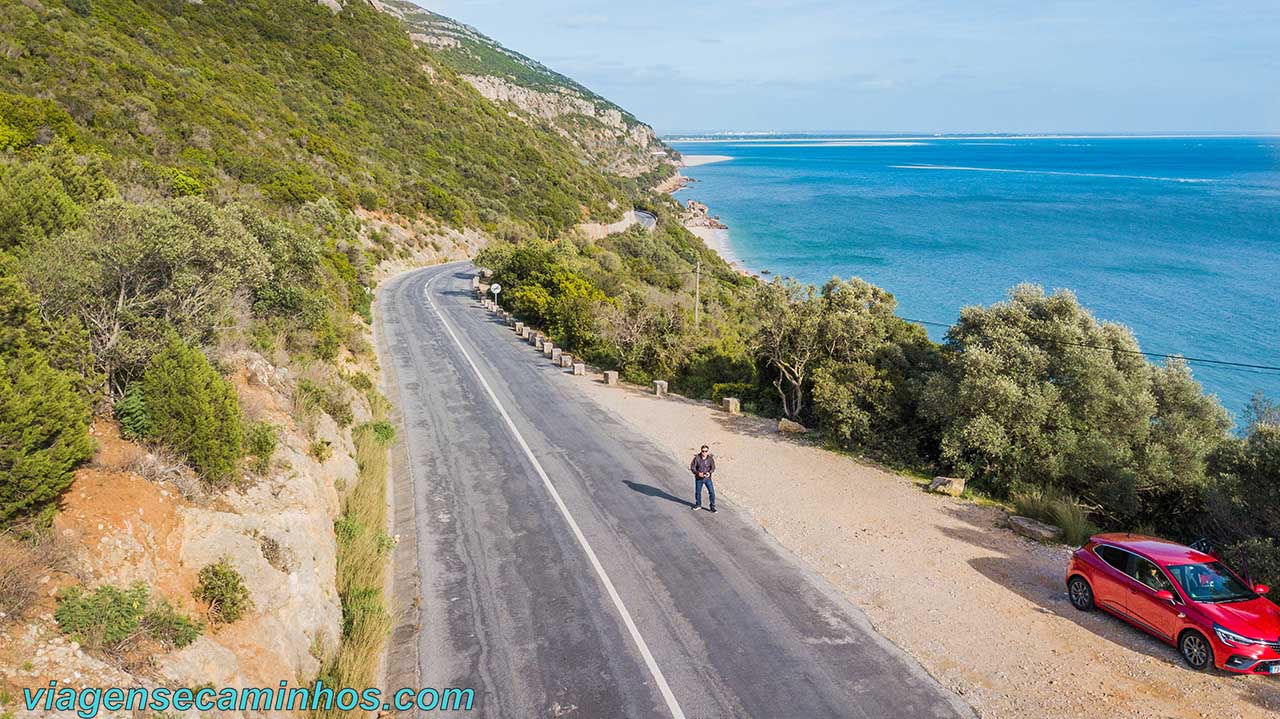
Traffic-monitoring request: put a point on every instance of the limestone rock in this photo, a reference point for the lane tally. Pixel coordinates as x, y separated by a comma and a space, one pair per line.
786, 426
1033, 529
953, 486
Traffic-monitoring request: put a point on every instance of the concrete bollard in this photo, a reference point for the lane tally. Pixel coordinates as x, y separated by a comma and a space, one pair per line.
555, 354
520, 328
732, 405
547, 349
535, 339
660, 388
566, 360
611, 377
579, 369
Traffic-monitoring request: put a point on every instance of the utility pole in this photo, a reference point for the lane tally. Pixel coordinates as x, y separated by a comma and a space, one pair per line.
697, 297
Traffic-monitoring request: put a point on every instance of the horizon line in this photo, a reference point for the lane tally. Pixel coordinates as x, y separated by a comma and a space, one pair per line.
809, 136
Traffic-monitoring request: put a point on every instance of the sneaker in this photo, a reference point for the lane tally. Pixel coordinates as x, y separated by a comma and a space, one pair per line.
696, 507
712, 510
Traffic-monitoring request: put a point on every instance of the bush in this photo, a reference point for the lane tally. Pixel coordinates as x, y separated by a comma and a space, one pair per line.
194, 410
260, 440
1260, 557
183, 185
321, 449
110, 618
222, 588
22, 563
131, 413
1050, 506
384, 431
169, 627
44, 433
329, 398
106, 618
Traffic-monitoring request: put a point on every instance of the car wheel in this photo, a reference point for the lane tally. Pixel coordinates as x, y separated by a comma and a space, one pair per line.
1080, 593
1196, 650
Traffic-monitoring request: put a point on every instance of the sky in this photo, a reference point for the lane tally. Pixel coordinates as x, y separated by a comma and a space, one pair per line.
867, 66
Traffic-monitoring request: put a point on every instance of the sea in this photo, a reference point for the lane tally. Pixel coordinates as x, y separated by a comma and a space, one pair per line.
1176, 237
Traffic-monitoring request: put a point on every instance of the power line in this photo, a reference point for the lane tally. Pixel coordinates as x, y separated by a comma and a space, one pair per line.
1198, 360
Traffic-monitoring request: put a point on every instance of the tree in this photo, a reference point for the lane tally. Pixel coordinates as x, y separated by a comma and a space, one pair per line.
1038, 392
34, 205
193, 409
789, 338
44, 432
136, 272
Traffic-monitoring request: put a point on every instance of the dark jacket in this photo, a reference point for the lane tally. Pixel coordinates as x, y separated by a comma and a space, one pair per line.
700, 464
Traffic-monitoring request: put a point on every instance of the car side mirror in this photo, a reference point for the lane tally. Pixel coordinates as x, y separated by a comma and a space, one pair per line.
1261, 589
1166, 595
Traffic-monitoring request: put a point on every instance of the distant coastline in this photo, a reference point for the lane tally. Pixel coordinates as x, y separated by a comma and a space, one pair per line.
713, 233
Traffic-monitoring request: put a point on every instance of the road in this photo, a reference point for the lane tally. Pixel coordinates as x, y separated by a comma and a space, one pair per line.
561, 570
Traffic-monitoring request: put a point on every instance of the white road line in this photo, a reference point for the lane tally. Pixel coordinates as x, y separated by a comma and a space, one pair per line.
661, 681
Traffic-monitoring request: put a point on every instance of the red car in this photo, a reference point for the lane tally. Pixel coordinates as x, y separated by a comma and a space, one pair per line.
1181, 595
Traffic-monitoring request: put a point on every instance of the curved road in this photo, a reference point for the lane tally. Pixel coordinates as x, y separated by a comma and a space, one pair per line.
559, 570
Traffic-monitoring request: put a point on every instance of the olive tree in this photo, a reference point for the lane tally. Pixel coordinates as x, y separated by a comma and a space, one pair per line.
134, 272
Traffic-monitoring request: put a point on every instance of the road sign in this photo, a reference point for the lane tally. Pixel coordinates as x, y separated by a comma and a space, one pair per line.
495, 288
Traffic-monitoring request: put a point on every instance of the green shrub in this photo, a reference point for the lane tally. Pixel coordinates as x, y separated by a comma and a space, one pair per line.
1073, 518
109, 618
182, 185
327, 397
194, 410
384, 431
260, 440
321, 449
166, 625
44, 432
131, 413
1261, 556
222, 588
741, 390
1051, 506
106, 618
359, 381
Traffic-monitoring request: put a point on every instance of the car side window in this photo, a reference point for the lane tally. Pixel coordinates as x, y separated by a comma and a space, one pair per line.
1150, 575
1117, 558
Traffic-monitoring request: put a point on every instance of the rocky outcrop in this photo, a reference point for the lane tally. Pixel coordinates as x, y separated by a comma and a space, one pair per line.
953, 486
1033, 529
619, 144
786, 426
696, 215
606, 135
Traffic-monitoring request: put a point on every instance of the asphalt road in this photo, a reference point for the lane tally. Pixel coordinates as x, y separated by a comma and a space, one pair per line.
561, 570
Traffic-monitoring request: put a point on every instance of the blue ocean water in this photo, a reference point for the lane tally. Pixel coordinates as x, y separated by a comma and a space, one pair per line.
1178, 238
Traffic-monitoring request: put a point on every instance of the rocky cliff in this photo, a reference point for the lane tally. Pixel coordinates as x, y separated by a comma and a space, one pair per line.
613, 139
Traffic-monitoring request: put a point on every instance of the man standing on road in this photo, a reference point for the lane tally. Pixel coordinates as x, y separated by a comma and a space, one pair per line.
702, 466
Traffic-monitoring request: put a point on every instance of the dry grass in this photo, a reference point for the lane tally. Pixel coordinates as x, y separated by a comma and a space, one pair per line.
23, 561
363, 552
163, 465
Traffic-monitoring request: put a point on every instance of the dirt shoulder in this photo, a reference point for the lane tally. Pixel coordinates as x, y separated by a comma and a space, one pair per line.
983, 609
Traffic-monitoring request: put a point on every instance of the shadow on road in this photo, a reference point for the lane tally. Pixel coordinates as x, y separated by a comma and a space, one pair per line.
650, 491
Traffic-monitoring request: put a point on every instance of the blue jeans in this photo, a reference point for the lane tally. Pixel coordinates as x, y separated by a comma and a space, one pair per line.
697, 491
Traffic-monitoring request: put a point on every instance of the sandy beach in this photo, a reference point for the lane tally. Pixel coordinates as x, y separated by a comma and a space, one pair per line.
981, 608
717, 239
695, 160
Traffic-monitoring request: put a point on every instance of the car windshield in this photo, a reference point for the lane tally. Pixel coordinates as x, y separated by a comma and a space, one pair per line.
1210, 582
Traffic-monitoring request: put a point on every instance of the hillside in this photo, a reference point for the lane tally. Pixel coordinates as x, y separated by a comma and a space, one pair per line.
287, 101
196, 202
608, 134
